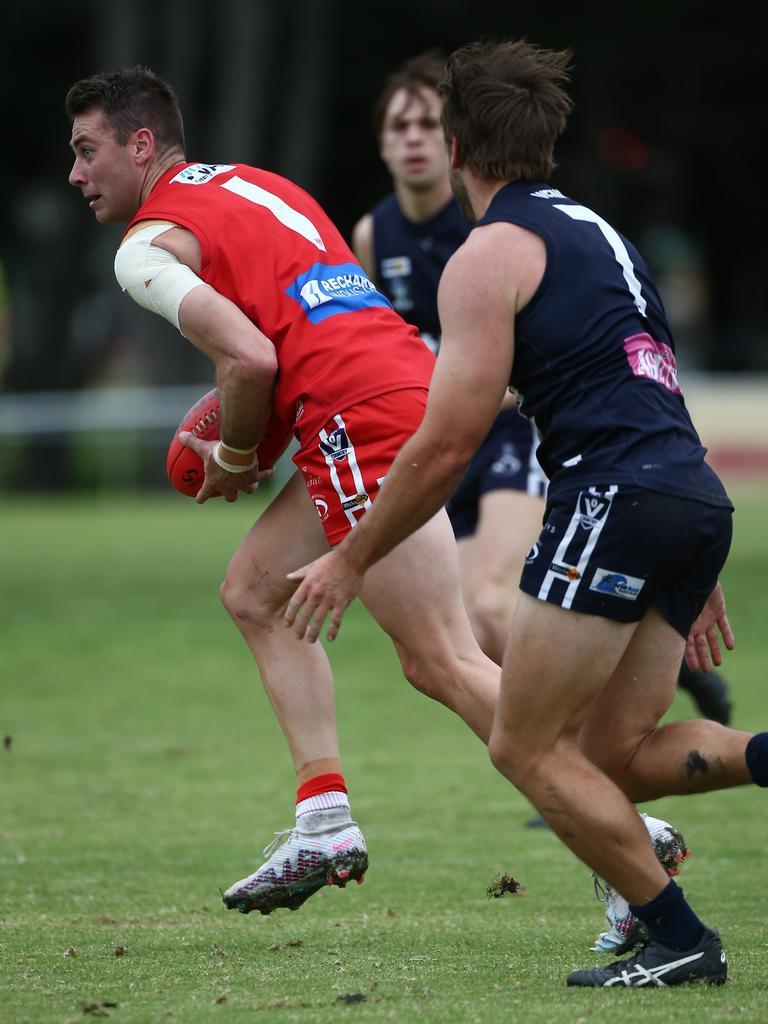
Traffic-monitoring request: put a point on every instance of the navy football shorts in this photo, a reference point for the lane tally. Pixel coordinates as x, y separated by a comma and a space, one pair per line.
506, 460
617, 551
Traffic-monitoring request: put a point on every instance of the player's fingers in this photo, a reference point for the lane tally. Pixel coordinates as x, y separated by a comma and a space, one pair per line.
714, 645
189, 440
316, 624
297, 598
692, 657
305, 624
727, 633
299, 610
702, 651
335, 624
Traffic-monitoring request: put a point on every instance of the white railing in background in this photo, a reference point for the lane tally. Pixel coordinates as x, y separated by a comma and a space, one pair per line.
31, 413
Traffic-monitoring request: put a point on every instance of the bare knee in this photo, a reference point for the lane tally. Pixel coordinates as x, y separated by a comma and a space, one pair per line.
249, 601
438, 669
424, 672
511, 757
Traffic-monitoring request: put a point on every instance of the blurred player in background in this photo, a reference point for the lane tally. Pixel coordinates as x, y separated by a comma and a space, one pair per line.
623, 579
403, 244
250, 269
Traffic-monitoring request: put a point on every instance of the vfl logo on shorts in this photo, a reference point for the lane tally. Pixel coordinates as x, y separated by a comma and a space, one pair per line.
336, 445
591, 511
617, 584
324, 291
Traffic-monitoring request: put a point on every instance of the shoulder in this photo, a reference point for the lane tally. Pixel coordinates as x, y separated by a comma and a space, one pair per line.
170, 236
500, 263
495, 249
362, 244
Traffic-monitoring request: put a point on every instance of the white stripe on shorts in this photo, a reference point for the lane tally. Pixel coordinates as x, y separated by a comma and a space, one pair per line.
536, 482
562, 550
357, 476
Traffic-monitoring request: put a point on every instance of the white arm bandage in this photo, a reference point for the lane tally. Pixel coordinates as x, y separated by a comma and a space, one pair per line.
152, 276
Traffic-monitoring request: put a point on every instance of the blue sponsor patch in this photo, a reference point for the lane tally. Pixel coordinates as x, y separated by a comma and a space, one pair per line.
618, 584
324, 291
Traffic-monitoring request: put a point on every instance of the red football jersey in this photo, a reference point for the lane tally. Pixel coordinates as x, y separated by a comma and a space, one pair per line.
270, 248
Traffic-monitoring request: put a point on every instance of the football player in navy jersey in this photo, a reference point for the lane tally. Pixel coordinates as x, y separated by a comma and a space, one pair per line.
623, 579
403, 243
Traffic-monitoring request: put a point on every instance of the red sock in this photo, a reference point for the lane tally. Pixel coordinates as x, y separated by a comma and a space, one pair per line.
331, 782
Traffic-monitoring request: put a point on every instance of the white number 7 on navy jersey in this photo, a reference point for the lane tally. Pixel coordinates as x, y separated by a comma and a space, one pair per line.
613, 238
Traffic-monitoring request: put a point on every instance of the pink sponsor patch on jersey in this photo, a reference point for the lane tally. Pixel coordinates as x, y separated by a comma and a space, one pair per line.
654, 359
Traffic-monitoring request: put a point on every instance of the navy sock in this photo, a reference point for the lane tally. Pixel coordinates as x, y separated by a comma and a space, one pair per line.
669, 919
756, 755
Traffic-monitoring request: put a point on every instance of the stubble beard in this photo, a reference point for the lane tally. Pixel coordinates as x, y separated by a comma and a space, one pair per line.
461, 195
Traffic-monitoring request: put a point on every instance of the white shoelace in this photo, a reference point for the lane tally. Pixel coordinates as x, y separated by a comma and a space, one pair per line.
279, 840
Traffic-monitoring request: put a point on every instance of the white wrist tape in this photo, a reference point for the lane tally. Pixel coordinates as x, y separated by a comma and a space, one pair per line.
152, 276
238, 451
228, 466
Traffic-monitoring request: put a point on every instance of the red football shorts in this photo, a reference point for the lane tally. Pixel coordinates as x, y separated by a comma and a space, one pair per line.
346, 463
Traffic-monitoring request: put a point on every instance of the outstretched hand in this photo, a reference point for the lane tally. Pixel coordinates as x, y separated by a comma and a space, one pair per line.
328, 584
217, 480
703, 640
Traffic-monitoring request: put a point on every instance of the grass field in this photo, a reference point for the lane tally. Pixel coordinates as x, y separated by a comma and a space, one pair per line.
142, 769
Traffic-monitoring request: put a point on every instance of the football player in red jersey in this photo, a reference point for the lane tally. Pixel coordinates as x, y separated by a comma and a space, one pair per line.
251, 270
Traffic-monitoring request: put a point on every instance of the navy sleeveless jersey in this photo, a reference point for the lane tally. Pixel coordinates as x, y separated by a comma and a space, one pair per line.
410, 258
594, 363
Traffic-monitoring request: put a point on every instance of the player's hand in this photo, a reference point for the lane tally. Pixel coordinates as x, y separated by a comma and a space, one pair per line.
703, 640
218, 480
326, 585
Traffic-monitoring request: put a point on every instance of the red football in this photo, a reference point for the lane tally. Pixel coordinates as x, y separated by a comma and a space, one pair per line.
185, 467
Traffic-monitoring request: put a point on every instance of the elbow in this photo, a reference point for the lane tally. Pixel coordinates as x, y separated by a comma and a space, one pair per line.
263, 364
452, 459
250, 367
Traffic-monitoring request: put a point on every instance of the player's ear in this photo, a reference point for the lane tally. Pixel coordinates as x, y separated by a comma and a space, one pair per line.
454, 155
143, 143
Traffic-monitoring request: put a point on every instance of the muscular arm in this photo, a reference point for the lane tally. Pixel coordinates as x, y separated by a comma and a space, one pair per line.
245, 359
477, 303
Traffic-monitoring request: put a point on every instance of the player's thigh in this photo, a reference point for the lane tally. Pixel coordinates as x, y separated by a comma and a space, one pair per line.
414, 592
638, 693
286, 536
557, 663
508, 525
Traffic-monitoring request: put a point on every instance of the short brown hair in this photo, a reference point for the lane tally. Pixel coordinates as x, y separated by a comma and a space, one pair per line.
422, 72
132, 98
505, 105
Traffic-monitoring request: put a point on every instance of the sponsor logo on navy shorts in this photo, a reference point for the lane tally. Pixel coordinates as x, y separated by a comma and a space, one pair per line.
618, 584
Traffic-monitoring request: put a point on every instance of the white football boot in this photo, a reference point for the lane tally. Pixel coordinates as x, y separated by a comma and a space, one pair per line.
626, 931
324, 848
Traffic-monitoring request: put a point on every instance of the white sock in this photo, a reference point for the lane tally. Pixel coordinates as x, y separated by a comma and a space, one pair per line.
322, 802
